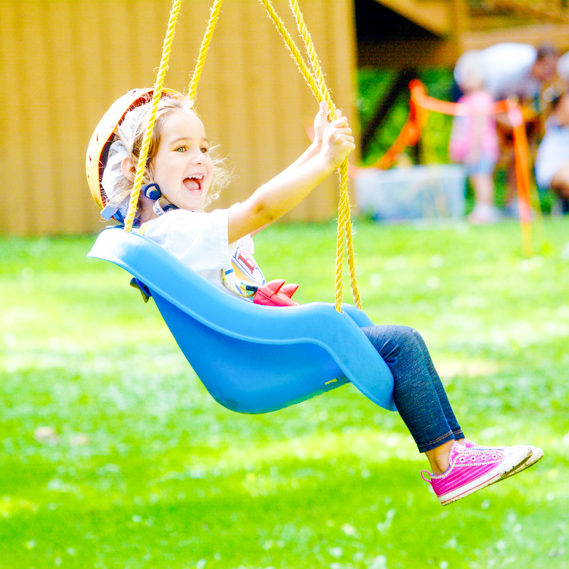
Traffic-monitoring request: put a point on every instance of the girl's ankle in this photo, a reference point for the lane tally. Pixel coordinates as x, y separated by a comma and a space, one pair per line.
439, 458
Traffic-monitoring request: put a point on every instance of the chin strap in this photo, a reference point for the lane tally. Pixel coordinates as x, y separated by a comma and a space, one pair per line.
162, 209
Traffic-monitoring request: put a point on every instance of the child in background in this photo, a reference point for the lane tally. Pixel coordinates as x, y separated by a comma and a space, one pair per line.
180, 175
474, 140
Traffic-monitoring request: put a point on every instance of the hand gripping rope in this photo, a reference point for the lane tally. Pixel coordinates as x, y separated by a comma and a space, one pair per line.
316, 83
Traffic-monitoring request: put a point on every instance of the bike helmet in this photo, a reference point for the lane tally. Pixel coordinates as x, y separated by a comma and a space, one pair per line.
104, 133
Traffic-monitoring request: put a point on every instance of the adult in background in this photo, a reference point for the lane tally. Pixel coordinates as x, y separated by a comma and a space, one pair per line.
520, 71
516, 70
552, 160
563, 69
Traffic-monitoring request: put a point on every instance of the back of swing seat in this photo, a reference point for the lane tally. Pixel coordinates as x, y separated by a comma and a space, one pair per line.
251, 358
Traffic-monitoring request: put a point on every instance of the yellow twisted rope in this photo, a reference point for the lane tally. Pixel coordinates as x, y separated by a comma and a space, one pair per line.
157, 94
321, 93
318, 88
312, 56
293, 49
344, 214
196, 75
344, 221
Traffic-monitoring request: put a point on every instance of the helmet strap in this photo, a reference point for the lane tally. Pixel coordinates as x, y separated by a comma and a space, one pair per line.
162, 209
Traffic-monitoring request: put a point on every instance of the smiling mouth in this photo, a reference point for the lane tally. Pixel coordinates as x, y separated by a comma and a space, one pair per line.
193, 183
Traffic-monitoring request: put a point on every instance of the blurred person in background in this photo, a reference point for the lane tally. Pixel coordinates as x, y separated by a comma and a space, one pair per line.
552, 159
518, 71
474, 141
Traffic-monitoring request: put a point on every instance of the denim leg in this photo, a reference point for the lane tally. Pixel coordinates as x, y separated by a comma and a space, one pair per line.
418, 392
441, 392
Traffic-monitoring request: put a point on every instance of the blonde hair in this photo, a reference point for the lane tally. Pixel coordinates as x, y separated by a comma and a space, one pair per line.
128, 141
469, 71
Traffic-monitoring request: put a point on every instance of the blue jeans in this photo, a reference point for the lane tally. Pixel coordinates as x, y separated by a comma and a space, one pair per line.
418, 392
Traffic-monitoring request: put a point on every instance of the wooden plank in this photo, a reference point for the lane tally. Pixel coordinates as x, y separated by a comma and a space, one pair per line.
326, 33
307, 106
260, 43
334, 42
67, 199
253, 98
92, 93
295, 98
191, 27
264, 45
210, 99
433, 16
536, 34
38, 121
14, 220
497, 21
119, 60
232, 98
254, 78
460, 22
436, 52
533, 10
401, 54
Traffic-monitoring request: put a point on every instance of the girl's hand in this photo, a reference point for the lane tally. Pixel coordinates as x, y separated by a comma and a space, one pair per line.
287, 189
338, 141
320, 124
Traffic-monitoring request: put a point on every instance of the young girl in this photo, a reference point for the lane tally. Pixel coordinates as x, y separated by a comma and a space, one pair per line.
180, 181
474, 140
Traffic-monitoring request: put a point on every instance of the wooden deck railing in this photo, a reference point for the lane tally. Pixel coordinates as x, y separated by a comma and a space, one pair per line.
542, 10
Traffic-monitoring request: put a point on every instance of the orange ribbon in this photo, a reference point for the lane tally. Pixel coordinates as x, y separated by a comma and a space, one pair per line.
420, 104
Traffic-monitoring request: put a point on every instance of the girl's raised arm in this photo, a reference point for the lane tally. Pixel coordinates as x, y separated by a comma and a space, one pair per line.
286, 190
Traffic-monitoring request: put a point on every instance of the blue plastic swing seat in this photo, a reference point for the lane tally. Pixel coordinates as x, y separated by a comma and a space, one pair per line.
251, 358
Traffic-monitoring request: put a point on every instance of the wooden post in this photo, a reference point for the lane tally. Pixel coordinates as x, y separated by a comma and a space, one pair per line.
460, 16
400, 85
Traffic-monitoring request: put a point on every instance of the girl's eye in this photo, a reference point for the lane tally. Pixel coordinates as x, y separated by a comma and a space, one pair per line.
180, 149
204, 149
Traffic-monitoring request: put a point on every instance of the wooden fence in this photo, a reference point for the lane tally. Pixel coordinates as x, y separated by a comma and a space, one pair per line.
64, 61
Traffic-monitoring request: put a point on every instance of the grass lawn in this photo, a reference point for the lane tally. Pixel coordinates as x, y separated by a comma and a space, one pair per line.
114, 456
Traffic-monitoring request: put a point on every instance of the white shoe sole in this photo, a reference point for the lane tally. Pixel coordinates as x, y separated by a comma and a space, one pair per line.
535, 456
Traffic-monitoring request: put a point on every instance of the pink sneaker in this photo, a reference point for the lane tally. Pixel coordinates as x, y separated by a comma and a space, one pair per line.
471, 469
535, 456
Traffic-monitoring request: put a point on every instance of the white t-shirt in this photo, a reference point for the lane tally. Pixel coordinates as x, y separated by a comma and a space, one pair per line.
506, 69
199, 240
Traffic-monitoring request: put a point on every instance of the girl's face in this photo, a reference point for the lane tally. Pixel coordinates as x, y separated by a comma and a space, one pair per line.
182, 167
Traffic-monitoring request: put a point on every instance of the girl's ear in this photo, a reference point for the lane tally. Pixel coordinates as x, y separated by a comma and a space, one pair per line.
128, 169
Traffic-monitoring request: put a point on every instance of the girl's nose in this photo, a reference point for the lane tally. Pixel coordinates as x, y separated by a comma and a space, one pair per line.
198, 157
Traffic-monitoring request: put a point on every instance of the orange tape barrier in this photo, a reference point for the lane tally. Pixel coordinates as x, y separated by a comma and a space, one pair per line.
421, 104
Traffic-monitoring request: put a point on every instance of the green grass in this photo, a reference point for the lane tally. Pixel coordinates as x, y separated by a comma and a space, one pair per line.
145, 470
